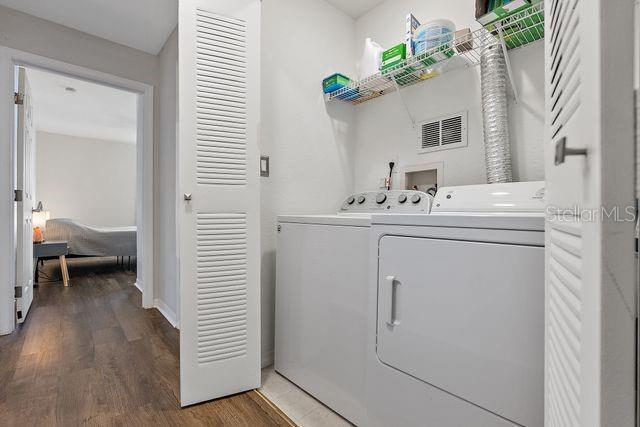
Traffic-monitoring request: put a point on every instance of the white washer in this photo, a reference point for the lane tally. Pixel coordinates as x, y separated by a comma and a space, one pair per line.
322, 266
456, 327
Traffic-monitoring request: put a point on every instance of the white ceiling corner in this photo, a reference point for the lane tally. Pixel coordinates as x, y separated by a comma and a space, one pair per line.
140, 24
355, 8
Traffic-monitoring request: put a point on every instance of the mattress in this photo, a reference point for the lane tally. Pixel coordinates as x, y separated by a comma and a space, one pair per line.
92, 240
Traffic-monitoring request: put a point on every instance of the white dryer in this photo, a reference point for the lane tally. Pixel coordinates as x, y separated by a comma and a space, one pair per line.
322, 267
456, 327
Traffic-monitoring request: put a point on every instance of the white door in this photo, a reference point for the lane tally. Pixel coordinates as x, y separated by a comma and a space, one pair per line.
219, 216
25, 185
589, 301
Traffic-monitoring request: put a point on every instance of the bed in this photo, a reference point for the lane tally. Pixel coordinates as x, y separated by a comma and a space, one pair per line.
87, 240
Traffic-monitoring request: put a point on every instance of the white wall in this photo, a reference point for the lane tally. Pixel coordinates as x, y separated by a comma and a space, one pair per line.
92, 181
384, 132
166, 283
30, 34
310, 144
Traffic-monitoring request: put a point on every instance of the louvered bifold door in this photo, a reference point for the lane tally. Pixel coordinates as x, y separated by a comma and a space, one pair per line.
219, 198
589, 298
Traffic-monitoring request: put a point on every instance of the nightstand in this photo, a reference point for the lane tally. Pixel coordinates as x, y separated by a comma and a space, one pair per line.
50, 249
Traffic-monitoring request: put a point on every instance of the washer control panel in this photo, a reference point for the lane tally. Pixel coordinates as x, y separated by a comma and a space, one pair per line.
394, 201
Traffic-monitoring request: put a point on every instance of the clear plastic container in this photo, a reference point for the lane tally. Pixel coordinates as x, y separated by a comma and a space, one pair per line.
371, 59
433, 34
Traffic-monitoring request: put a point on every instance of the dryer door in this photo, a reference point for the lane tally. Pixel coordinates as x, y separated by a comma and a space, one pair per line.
466, 317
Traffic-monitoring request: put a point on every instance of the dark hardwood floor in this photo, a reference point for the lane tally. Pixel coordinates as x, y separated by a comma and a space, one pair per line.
90, 355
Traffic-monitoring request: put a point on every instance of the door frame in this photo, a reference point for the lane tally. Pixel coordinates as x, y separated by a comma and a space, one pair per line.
11, 58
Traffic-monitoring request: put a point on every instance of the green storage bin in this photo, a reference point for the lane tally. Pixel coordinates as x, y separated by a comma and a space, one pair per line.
405, 77
335, 82
502, 11
525, 31
439, 54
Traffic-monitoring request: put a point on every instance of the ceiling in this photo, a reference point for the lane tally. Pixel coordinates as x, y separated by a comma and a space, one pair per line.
92, 111
355, 8
141, 24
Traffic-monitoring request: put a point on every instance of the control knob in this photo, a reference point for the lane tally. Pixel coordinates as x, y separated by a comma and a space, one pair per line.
351, 200
415, 199
381, 198
361, 199
402, 198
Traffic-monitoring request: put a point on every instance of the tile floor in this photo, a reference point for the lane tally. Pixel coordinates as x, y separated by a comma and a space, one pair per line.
301, 407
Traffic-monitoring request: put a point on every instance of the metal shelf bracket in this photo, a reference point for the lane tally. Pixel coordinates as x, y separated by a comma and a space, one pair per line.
404, 102
516, 96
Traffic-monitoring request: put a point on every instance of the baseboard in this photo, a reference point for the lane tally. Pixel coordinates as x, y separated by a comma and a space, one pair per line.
267, 358
139, 286
167, 313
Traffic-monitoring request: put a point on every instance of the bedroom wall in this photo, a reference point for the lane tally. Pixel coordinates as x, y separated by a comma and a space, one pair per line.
309, 143
384, 132
166, 289
92, 181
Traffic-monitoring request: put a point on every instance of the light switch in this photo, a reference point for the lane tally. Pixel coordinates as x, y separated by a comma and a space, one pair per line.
264, 165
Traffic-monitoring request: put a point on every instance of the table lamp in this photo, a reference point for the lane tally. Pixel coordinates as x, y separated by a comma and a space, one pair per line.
39, 221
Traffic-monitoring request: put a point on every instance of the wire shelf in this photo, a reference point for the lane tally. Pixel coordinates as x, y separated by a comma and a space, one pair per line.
522, 28
462, 51
516, 31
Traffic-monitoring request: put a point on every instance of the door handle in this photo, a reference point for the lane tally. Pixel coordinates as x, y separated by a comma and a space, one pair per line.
562, 151
187, 197
390, 302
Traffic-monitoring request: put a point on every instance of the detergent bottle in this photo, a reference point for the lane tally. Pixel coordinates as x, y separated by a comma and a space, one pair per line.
371, 59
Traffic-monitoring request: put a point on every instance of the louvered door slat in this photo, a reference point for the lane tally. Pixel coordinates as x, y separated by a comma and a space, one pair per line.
564, 237
564, 318
221, 62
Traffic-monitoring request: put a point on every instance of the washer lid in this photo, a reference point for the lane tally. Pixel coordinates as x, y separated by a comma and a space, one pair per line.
500, 199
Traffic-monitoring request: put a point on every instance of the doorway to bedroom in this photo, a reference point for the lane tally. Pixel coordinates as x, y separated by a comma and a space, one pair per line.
78, 140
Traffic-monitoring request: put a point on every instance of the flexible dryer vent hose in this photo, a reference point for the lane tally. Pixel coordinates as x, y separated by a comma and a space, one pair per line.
497, 151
